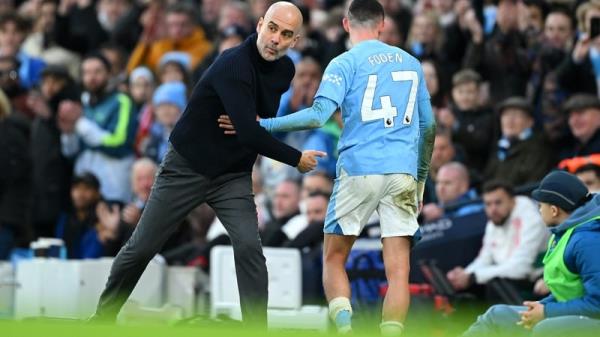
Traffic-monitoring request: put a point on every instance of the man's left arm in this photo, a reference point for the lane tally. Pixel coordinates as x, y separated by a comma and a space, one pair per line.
585, 262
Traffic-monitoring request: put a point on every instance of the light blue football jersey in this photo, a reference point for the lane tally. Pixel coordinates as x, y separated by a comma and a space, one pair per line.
378, 88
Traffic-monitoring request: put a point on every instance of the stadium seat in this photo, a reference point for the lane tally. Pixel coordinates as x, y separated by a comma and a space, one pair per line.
71, 288
285, 289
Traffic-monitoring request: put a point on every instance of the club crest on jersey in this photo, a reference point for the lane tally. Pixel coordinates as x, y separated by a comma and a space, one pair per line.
335, 79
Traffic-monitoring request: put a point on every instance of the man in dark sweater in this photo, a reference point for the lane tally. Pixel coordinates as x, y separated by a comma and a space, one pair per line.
204, 165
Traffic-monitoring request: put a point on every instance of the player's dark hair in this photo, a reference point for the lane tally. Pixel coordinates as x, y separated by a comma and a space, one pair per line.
494, 185
365, 12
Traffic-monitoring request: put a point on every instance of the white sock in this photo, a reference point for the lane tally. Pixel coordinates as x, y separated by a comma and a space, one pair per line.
337, 305
391, 328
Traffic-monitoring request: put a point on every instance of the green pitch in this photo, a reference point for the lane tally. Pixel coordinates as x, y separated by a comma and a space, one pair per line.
420, 323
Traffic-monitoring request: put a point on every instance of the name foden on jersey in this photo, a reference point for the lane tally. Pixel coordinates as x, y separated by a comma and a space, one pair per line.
381, 58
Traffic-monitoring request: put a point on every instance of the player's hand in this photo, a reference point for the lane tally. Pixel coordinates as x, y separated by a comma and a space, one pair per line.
308, 161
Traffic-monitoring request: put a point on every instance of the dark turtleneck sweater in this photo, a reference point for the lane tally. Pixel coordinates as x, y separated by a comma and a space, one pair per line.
241, 84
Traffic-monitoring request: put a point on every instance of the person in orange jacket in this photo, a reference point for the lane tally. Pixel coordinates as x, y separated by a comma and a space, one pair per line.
182, 34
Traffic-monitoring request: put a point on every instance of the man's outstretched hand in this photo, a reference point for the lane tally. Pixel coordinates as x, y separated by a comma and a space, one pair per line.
308, 161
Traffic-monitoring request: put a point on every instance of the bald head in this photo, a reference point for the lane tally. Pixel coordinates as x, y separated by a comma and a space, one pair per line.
278, 30
285, 11
142, 177
452, 181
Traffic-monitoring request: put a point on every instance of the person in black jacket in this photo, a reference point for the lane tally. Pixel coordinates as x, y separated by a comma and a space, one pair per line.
15, 179
51, 170
205, 165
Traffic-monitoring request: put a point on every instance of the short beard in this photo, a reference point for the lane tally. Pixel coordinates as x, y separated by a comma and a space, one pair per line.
98, 91
502, 221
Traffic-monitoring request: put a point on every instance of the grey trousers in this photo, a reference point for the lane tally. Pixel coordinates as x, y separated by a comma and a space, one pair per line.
177, 190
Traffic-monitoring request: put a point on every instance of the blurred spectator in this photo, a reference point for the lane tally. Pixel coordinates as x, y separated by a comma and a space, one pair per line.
209, 15
130, 26
304, 86
10, 85
84, 25
238, 13
141, 89
432, 75
142, 179
401, 13
454, 196
169, 101
543, 90
425, 36
41, 42
580, 71
535, 13
584, 121
229, 37
472, 126
461, 27
390, 33
521, 155
316, 181
531, 19
182, 34
122, 221
590, 176
101, 133
6, 6
444, 151
175, 67
316, 210
260, 199
313, 43
300, 95
13, 30
117, 58
287, 221
259, 7
514, 237
445, 10
15, 179
503, 58
51, 170
83, 235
